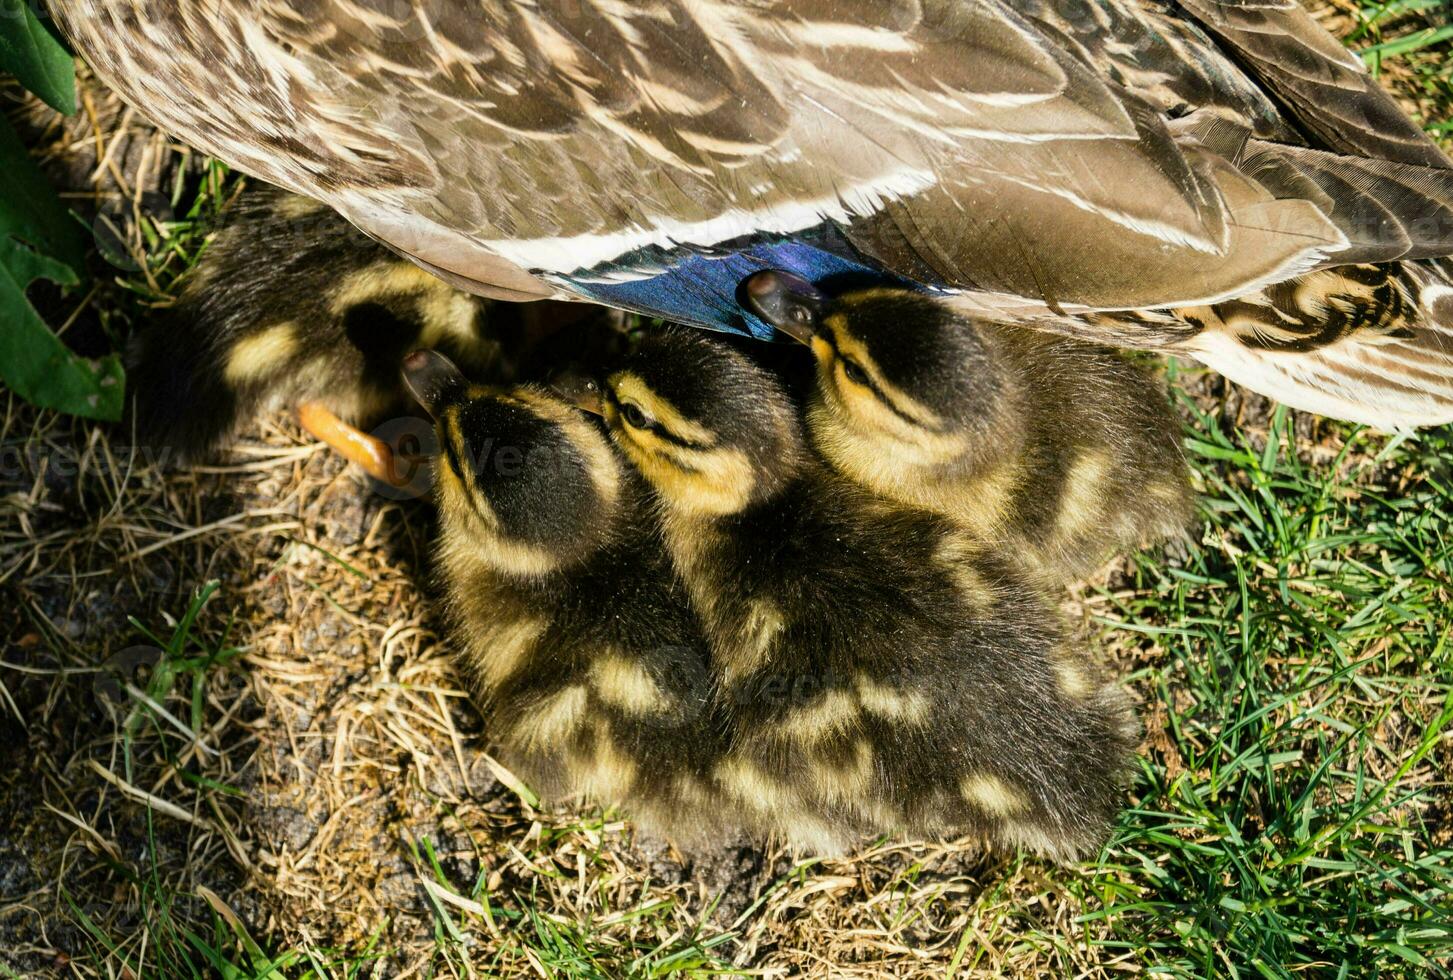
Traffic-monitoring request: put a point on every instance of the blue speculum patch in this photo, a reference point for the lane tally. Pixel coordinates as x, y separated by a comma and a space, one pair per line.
698, 285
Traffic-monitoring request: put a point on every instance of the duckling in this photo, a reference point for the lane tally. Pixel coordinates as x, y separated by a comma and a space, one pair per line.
885, 672
1059, 451
292, 305
589, 665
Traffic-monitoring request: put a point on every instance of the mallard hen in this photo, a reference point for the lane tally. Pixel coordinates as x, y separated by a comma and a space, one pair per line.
1213, 177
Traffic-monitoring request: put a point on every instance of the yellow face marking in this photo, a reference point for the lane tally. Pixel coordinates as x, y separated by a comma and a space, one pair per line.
858, 432
253, 358
1082, 506
993, 795
471, 540
551, 721
465, 511
892, 443
628, 387
625, 684
891, 703
706, 481
909, 471
705, 484
850, 348
459, 502
601, 461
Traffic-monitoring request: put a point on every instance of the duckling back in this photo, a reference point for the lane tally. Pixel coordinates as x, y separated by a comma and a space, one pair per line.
1104, 470
593, 681
895, 676
1058, 450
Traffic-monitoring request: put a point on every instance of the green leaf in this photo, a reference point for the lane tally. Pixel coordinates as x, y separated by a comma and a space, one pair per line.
40, 240
31, 52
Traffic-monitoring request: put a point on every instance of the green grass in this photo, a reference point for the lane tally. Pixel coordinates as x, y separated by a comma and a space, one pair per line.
177, 934
1306, 694
523, 934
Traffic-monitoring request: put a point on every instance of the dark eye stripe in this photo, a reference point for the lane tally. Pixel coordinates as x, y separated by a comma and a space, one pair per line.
657, 429
870, 382
451, 456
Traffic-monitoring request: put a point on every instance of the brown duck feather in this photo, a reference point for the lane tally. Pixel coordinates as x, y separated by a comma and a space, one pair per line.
1042, 160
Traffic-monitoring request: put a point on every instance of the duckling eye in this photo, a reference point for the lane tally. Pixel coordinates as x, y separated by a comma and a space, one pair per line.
634, 417
855, 372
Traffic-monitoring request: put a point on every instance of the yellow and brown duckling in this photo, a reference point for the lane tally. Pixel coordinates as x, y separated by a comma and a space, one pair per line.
589, 666
885, 672
1057, 449
292, 306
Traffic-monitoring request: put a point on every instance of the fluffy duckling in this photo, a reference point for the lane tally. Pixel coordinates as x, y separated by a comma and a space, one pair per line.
292, 306
1058, 450
590, 668
884, 672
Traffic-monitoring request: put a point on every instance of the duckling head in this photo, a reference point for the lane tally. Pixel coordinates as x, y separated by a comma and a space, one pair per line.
901, 377
524, 479
712, 432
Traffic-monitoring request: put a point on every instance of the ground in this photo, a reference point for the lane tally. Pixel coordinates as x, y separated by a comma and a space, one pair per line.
294, 783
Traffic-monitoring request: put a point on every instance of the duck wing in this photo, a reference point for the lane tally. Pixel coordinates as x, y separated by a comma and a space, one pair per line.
1040, 160
536, 147
1325, 86
1368, 343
